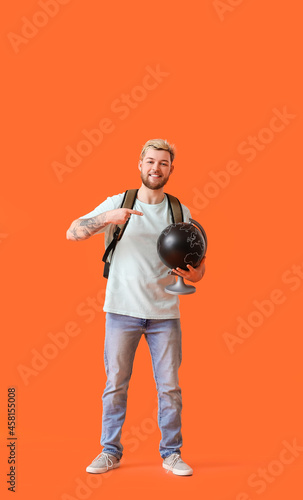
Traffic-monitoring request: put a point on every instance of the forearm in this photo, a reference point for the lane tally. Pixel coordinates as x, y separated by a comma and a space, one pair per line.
82, 229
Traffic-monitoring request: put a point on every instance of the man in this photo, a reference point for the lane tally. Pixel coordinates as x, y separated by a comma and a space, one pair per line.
136, 303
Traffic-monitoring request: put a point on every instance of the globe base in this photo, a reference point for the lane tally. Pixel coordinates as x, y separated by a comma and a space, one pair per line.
179, 288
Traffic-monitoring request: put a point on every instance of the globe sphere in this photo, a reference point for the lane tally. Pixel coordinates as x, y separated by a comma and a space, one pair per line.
180, 244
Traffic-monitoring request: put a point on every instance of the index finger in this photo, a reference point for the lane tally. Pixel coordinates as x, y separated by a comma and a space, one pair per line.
134, 212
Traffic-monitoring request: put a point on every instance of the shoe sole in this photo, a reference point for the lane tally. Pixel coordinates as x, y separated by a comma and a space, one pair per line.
95, 470
178, 472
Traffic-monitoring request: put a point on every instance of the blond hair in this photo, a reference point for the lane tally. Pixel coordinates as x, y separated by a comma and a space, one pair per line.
159, 144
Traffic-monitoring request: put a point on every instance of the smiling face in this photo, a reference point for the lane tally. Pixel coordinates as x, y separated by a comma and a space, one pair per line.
155, 168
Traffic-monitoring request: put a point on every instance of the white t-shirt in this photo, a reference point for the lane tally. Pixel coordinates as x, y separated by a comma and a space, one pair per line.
137, 277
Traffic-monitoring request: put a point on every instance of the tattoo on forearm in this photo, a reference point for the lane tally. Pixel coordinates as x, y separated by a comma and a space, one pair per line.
82, 229
74, 233
90, 226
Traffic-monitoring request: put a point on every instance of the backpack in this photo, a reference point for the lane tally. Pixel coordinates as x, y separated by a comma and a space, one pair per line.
128, 201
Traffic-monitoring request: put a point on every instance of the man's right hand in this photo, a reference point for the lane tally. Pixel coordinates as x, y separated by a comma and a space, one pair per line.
120, 215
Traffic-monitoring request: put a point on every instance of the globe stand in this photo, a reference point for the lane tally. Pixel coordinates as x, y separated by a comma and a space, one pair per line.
179, 288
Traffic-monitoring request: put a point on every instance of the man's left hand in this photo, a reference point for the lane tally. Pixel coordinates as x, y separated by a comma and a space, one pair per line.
193, 274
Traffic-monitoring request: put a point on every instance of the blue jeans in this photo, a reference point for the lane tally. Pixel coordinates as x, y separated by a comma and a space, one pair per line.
122, 337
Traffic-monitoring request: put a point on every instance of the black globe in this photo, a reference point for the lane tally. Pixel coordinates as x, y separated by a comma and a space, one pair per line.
181, 244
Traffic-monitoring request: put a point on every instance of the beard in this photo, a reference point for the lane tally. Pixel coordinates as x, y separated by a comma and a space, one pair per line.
152, 184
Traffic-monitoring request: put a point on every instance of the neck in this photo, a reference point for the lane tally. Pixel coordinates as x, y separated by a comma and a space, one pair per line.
150, 196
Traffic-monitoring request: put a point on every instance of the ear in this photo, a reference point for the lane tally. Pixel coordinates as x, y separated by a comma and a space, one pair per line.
171, 169
139, 165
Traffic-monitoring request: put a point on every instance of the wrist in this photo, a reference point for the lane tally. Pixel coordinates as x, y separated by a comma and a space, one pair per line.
103, 219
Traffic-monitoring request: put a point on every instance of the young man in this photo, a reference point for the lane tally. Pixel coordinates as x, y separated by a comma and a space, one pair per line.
136, 303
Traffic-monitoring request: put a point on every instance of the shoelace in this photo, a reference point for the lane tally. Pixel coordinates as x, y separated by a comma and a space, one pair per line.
174, 462
109, 462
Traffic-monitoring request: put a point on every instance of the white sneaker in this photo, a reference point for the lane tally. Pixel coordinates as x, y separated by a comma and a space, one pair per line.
103, 463
175, 464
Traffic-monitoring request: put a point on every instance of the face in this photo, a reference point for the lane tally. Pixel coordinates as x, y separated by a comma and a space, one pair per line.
155, 168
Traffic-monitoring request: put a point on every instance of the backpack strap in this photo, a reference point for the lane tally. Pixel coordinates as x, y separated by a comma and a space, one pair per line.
128, 202
175, 208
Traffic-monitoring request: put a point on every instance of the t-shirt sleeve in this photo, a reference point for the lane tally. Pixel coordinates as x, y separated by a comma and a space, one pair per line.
111, 203
186, 213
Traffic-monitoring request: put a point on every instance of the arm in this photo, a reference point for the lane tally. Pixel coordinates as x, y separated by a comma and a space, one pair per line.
193, 274
82, 229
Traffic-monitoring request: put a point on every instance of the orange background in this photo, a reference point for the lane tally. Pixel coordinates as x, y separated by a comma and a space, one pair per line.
224, 78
